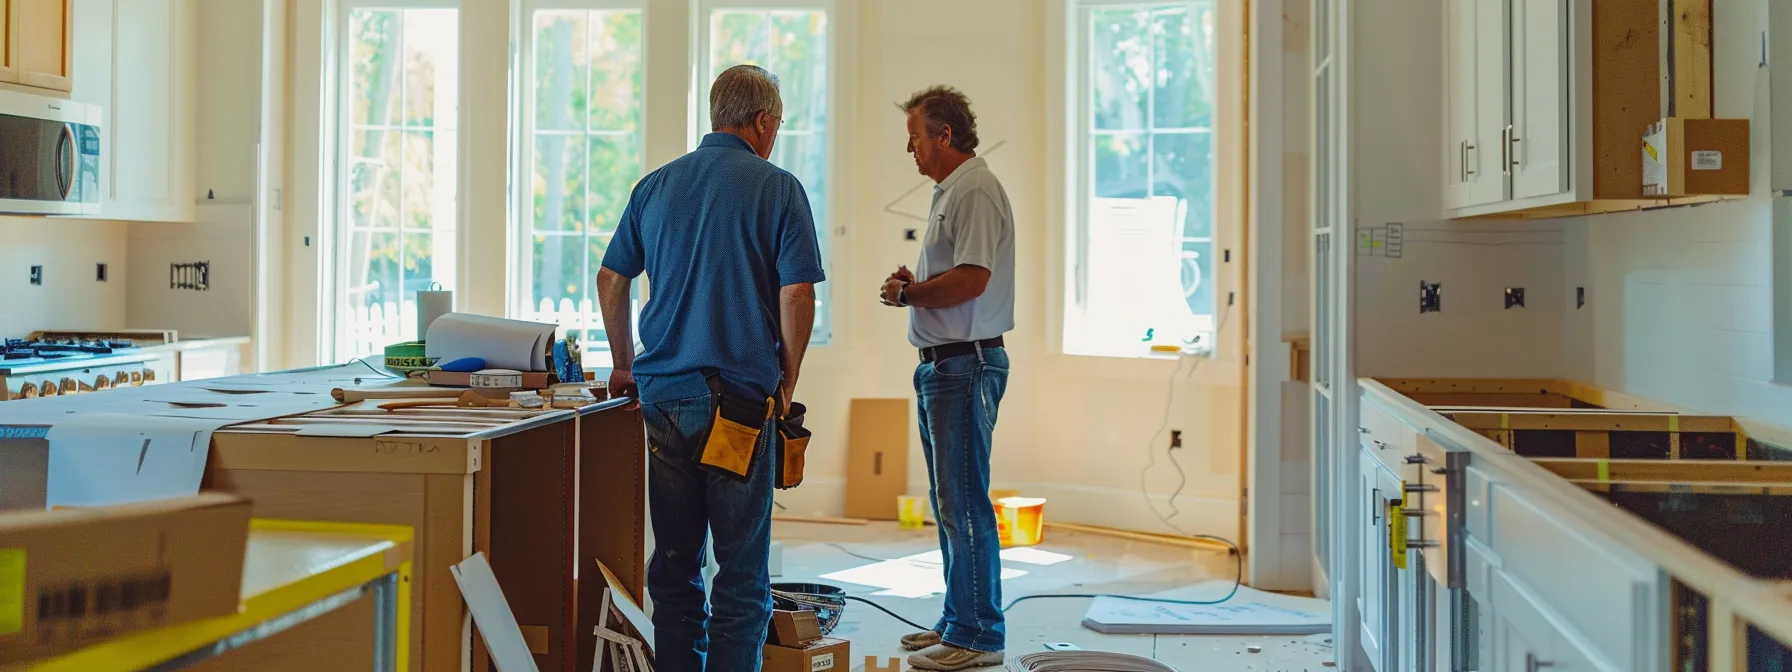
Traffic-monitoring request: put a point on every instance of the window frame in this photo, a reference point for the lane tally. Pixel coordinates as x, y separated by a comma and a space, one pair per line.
518, 302
833, 237
1078, 201
336, 136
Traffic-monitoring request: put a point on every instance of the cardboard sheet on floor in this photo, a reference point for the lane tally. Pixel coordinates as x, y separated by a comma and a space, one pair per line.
876, 457
109, 458
1250, 612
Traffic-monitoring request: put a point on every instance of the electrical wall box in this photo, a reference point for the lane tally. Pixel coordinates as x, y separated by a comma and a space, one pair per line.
1696, 157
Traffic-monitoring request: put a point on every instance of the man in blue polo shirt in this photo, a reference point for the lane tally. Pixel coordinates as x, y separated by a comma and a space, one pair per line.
728, 242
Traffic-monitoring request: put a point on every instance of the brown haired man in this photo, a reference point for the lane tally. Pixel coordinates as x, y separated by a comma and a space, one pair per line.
961, 301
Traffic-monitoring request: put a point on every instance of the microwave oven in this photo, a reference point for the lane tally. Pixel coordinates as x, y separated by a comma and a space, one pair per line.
49, 156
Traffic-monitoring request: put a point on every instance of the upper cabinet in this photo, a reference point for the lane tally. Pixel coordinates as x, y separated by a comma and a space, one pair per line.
1546, 102
138, 62
1779, 18
40, 43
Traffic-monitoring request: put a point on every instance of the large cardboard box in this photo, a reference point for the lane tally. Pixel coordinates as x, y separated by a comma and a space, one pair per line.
823, 655
73, 577
877, 457
1696, 157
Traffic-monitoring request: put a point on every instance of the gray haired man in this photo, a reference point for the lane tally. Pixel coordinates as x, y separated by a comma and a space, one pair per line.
961, 300
729, 242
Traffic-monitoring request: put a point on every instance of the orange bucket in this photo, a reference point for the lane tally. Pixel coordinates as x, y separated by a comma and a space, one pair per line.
1020, 521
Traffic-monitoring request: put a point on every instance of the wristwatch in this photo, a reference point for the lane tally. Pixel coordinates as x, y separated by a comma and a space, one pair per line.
902, 296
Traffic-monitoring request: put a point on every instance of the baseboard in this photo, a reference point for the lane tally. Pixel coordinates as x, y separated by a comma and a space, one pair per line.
1124, 509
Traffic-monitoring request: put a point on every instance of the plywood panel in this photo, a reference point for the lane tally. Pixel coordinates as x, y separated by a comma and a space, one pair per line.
1691, 67
1626, 93
530, 477
876, 457
445, 539
24, 473
612, 493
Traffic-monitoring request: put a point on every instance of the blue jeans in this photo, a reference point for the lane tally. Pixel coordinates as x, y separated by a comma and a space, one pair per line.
690, 501
959, 397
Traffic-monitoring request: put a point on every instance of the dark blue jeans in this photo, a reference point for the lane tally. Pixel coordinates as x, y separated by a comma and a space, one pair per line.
959, 397
688, 502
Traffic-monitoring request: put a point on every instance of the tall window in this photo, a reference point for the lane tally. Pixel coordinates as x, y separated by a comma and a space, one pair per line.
583, 152
395, 182
793, 44
1141, 267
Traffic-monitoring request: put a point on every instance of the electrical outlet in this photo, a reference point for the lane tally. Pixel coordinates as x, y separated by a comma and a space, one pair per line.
99, 272
1175, 439
1580, 298
37, 275
1431, 297
1514, 297
908, 234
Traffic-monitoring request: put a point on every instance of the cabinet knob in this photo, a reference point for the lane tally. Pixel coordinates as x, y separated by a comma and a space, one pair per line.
1362, 430
1532, 664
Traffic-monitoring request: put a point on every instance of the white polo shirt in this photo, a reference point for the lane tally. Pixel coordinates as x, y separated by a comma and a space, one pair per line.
970, 223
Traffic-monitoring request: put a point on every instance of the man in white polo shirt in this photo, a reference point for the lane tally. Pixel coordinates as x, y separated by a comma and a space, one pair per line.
961, 296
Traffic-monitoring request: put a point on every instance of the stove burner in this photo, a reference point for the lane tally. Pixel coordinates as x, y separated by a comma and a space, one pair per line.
17, 349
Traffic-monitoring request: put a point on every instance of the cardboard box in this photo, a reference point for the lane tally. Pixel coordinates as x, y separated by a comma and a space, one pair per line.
1696, 157
793, 629
877, 457
823, 655
73, 577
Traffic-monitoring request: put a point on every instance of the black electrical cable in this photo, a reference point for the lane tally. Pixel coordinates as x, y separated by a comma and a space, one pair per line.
843, 549
892, 614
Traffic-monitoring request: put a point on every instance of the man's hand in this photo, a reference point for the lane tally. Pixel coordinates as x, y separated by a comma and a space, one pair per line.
784, 393
891, 290
902, 273
622, 384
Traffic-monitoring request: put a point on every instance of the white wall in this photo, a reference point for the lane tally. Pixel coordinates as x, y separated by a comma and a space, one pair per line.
71, 297
1679, 302
1397, 116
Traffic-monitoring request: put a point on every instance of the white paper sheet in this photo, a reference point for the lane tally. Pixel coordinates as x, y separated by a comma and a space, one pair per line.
112, 458
1250, 612
503, 344
915, 576
491, 612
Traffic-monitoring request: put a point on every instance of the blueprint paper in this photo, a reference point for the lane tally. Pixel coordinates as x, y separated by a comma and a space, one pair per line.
503, 344
113, 458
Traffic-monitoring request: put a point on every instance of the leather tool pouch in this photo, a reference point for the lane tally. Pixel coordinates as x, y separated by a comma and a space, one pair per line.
793, 442
734, 437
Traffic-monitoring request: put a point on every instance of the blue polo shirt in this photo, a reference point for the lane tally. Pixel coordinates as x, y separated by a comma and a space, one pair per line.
718, 231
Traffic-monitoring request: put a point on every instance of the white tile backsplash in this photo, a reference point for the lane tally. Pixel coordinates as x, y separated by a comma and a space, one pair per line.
70, 297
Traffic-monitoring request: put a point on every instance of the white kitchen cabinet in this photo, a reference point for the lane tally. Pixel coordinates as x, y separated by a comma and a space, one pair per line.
1779, 20
1383, 585
1476, 103
138, 61
1546, 103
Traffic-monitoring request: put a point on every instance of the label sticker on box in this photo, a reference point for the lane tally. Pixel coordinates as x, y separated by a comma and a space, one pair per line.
1707, 160
822, 662
12, 590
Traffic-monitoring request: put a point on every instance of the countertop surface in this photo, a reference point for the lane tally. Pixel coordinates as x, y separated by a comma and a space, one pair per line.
122, 356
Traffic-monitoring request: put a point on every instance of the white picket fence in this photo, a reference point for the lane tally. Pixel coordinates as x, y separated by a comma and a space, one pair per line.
373, 327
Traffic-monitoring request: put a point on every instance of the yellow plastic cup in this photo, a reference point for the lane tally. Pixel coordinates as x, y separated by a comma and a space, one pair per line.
909, 513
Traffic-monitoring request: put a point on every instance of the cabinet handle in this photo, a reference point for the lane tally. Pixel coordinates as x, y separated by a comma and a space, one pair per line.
1462, 149
1506, 150
1362, 430
1531, 664
1514, 142
1467, 167
1374, 507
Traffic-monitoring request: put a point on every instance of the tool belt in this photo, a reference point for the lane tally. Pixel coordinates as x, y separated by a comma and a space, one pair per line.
738, 426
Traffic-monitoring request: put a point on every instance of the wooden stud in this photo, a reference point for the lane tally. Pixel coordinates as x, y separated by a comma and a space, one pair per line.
446, 539
1594, 422
1691, 70
1593, 444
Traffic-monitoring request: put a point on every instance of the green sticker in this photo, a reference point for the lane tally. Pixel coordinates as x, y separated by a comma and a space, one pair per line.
12, 590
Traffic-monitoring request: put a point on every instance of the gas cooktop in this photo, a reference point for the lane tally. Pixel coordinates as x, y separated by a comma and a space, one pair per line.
19, 349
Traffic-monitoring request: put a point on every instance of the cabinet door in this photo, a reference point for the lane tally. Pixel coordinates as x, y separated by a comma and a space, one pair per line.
1537, 144
152, 112
1371, 598
40, 35
1398, 645
1459, 93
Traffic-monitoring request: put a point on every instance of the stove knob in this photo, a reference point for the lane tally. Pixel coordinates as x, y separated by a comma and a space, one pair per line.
70, 386
122, 379
136, 378
28, 391
103, 382
48, 389
149, 376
